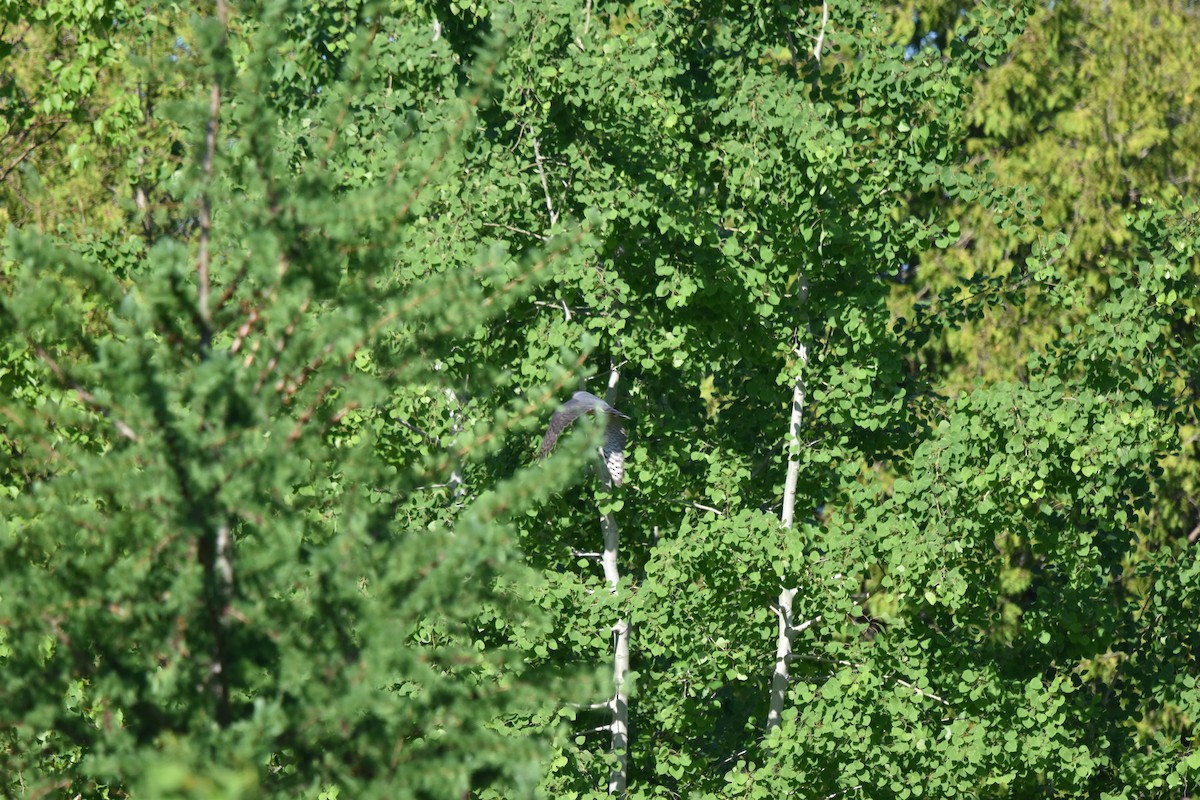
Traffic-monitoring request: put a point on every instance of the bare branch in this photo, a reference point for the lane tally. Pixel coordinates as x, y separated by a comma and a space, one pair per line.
588, 706
619, 776
428, 437
560, 304
729, 758
699, 506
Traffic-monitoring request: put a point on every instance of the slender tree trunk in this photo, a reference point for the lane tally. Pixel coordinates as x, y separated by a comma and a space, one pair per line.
619, 776
787, 630
788, 516
216, 547
216, 555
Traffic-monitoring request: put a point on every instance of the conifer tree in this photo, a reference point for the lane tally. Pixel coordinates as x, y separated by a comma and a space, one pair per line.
248, 551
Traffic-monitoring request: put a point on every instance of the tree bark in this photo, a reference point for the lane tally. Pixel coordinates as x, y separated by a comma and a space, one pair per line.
619, 776
783, 644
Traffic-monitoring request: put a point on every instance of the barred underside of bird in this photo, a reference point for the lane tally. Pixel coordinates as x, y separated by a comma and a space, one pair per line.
612, 449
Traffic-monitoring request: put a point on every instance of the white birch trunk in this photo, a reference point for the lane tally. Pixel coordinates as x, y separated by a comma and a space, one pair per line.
618, 778
787, 630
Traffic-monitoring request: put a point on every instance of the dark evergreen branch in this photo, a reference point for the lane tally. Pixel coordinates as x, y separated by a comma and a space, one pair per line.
83, 394
280, 345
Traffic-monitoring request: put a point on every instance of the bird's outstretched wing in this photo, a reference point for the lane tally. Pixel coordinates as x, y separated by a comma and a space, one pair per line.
567, 413
612, 449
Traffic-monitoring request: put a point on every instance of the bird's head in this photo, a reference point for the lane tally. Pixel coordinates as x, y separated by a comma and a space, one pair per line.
590, 402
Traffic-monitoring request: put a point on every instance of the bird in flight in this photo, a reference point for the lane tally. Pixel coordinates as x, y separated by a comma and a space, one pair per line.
612, 449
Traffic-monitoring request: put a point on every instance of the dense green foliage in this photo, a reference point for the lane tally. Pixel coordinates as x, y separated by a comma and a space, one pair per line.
1094, 114
271, 521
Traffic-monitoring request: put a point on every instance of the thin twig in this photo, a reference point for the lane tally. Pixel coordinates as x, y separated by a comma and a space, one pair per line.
588, 706
803, 626
560, 304
431, 439
537, 152
514, 229
727, 759
699, 506
38, 143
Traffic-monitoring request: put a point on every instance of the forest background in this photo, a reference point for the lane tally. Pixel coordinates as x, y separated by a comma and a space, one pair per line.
899, 296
